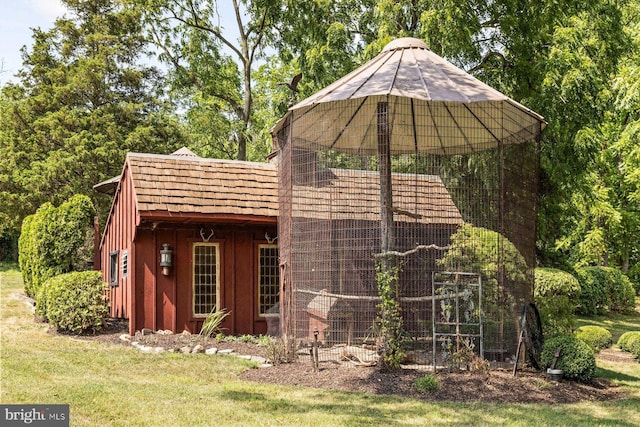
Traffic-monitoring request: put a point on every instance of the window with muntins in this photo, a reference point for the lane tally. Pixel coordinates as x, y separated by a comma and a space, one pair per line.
113, 268
268, 278
206, 278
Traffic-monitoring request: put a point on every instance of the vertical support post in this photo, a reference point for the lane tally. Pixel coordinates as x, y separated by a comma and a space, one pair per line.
387, 232
315, 350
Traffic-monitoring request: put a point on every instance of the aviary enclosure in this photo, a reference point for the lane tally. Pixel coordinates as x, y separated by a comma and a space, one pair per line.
414, 167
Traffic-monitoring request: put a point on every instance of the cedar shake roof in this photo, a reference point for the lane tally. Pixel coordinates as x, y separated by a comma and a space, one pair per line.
190, 187
356, 195
197, 186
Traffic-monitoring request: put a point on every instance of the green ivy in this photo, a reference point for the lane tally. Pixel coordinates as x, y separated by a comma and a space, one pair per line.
389, 317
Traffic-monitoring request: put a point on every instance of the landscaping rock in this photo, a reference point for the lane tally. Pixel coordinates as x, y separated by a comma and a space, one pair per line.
243, 356
198, 349
225, 351
147, 331
164, 332
259, 359
211, 350
185, 350
125, 337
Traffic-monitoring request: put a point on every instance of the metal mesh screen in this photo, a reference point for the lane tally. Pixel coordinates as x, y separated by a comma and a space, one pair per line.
469, 211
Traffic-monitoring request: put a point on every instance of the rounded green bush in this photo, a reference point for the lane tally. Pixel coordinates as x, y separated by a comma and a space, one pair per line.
630, 341
604, 289
634, 277
576, 357
626, 338
74, 302
596, 337
555, 294
634, 347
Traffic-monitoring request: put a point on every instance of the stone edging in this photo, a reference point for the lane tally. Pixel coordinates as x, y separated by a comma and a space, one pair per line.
187, 349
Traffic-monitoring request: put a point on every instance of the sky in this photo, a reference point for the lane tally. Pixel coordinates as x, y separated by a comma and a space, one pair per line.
17, 18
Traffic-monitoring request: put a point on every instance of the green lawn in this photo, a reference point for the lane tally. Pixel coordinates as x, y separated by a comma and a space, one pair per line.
116, 385
617, 324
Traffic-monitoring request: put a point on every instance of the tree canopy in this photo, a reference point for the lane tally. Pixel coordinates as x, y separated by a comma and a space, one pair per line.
87, 94
83, 101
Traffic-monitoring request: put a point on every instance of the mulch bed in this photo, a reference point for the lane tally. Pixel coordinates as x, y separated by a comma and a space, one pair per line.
498, 386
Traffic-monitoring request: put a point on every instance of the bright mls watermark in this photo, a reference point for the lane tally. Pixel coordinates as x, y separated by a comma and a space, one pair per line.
35, 415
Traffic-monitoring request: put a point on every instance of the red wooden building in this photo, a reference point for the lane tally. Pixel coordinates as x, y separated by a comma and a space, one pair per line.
217, 222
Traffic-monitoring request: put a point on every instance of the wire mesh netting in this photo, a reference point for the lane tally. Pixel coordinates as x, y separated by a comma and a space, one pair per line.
471, 215
407, 174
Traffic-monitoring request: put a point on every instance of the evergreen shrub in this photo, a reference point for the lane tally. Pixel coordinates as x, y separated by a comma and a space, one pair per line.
634, 277
55, 241
555, 293
596, 337
630, 341
74, 302
577, 360
604, 289
627, 338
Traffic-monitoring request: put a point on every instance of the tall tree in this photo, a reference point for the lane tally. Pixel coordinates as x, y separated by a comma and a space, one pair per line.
557, 59
82, 101
212, 56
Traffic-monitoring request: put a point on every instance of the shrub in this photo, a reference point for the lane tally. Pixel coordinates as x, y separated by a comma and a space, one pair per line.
620, 293
634, 347
427, 383
504, 272
604, 289
630, 341
555, 294
55, 241
74, 302
634, 277
627, 338
576, 357
596, 337
592, 291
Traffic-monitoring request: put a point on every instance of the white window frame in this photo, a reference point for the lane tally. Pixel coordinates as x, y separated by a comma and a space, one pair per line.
124, 264
262, 311
114, 270
216, 269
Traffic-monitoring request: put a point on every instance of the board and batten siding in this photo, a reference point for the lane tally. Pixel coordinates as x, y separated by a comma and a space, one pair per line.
119, 236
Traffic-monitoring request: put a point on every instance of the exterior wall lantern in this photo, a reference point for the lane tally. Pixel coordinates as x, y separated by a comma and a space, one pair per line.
166, 259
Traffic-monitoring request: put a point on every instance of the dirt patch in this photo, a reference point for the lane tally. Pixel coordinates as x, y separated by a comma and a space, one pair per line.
616, 355
496, 386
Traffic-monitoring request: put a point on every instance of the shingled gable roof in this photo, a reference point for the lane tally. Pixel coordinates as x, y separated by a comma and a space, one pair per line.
355, 195
191, 188
174, 187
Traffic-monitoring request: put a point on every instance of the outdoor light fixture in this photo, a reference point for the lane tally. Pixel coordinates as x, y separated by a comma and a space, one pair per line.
166, 259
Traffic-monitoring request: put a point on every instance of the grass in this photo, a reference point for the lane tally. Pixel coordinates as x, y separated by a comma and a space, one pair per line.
115, 385
615, 323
